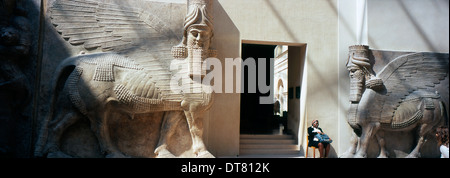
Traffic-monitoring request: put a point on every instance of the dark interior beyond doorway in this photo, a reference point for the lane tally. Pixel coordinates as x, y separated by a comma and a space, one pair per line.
257, 118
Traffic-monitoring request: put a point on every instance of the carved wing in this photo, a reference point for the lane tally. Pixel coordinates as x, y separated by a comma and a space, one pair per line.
109, 26
409, 73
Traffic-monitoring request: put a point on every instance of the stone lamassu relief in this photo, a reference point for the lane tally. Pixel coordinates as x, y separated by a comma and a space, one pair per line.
15, 92
409, 94
112, 84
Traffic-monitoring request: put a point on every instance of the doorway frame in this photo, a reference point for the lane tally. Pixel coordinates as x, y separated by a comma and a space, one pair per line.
298, 131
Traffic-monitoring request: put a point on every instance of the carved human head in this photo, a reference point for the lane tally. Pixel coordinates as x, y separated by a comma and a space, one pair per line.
198, 30
358, 61
198, 37
361, 72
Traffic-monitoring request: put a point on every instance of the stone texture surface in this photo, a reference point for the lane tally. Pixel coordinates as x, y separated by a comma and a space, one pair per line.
19, 46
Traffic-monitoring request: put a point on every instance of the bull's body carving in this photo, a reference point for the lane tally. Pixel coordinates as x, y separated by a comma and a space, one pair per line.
404, 98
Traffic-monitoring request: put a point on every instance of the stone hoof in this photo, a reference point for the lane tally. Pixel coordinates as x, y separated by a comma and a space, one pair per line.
413, 155
360, 155
347, 155
383, 155
164, 153
205, 154
58, 154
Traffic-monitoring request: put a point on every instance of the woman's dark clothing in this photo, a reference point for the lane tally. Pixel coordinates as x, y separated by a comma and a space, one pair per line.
311, 135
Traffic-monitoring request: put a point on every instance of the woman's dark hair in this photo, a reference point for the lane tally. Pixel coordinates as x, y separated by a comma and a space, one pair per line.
442, 135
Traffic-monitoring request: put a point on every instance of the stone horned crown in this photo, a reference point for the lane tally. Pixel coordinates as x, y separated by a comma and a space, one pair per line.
373, 82
358, 48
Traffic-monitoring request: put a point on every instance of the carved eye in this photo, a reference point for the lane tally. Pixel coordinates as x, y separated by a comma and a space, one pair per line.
194, 33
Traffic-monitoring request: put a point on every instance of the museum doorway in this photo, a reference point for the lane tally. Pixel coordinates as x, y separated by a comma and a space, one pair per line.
282, 116
256, 118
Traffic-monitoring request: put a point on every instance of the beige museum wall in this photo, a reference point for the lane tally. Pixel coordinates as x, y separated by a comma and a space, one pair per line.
293, 22
412, 25
347, 36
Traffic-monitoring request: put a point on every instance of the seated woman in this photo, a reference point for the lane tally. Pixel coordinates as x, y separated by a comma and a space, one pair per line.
313, 141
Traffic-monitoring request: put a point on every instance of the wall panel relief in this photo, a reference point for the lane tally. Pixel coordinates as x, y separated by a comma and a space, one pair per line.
109, 92
18, 54
394, 95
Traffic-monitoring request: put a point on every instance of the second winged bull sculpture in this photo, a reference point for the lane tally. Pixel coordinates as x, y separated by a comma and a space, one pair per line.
403, 96
96, 86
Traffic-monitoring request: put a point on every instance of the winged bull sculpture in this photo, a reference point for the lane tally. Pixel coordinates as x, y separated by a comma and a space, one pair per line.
96, 86
401, 97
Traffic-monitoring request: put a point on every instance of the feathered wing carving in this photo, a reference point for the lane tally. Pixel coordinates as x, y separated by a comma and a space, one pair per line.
406, 74
128, 31
109, 26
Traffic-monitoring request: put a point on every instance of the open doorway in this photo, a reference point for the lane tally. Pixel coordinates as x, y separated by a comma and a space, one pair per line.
256, 118
283, 115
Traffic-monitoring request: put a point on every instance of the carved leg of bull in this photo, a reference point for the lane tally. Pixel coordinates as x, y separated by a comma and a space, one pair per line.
56, 130
100, 127
420, 141
170, 122
350, 153
195, 123
382, 144
368, 132
423, 130
431, 117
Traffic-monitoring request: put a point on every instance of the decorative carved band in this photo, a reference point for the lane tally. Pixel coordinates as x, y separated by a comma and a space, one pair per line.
416, 117
74, 93
105, 64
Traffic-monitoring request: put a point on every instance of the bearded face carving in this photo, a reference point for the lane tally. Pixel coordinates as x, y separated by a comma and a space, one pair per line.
357, 65
361, 73
197, 35
357, 80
